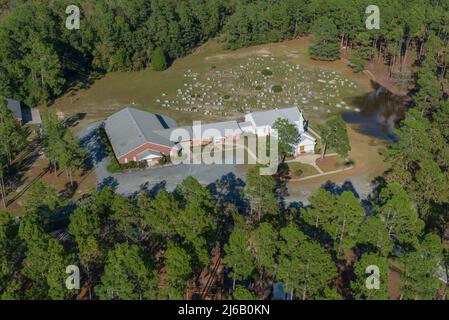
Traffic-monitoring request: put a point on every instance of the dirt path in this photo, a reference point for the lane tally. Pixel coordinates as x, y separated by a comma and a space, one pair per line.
394, 281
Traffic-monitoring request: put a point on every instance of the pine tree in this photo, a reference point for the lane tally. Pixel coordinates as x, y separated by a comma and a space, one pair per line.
264, 247
237, 256
159, 215
159, 60
419, 279
2, 182
53, 131
12, 135
259, 191
127, 275
324, 44
305, 268
287, 137
374, 237
321, 208
32, 233
344, 225
56, 275
61, 145
11, 251
71, 155
335, 136
85, 227
178, 272
42, 198
398, 214
360, 286
242, 293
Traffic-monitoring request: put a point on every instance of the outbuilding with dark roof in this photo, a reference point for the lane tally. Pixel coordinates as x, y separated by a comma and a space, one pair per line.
15, 108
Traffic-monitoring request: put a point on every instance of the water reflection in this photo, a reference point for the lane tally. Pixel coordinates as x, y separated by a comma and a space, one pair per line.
380, 113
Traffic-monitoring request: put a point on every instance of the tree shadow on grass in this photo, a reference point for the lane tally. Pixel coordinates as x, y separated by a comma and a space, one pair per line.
69, 190
74, 120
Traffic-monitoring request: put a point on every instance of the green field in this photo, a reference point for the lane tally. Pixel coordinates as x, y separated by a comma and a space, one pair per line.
214, 84
307, 170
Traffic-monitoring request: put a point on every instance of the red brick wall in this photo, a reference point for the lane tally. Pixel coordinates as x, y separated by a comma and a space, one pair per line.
148, 146
164, 150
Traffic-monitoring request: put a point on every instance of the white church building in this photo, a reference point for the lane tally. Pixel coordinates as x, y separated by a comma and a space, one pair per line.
261, 124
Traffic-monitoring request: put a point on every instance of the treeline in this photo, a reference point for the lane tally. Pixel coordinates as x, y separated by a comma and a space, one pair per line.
154, 246
38, 54
404, 25
420, 157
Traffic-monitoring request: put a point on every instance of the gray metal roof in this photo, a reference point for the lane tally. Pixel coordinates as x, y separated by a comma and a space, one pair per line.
267, 118
130, 128
15, 107
166, 133
245, 124
223, 129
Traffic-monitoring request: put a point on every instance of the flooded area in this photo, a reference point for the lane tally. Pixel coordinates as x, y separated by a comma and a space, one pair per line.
380, 113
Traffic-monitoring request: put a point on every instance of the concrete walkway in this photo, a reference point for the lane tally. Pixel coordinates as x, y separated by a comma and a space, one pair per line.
324, 174
310, 159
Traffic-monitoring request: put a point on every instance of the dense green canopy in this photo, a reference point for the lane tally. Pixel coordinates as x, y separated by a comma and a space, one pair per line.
145, 247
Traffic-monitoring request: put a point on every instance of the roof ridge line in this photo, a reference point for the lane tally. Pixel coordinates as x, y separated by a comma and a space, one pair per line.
136, 124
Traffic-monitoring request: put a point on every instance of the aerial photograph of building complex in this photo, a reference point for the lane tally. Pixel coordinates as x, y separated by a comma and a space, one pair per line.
224, 150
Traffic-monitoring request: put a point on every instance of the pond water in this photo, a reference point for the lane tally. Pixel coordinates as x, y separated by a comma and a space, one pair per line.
380, 113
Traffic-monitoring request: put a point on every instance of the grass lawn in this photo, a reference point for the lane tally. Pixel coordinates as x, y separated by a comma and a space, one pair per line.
215, 84
307, 170
332, 163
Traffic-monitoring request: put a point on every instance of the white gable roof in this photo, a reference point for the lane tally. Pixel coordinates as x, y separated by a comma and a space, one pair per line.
218, 129
306, 139
267, 118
